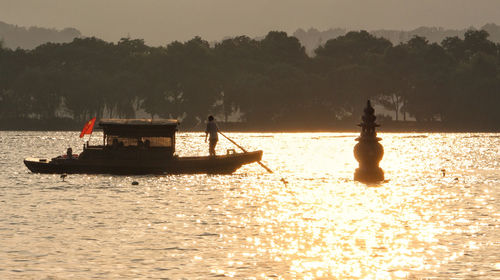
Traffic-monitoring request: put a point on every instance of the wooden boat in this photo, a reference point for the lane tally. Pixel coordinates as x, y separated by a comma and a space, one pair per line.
140, 146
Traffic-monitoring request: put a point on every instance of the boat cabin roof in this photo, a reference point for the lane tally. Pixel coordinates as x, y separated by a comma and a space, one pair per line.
139, 127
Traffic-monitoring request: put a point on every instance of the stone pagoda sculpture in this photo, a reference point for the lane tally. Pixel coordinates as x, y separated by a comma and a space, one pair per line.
368, 152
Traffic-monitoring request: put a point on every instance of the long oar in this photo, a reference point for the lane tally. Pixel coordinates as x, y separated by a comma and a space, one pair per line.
261, 164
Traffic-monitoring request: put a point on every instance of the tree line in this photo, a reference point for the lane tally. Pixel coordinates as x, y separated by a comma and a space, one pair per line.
270, 82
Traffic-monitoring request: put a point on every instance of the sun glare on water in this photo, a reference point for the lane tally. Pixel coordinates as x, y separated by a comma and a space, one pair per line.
324, 225
435, 216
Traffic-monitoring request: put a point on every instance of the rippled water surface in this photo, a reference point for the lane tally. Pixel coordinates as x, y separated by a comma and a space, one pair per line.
321, 224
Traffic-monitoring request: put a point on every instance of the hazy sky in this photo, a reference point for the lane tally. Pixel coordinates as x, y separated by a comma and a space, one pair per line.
162, 21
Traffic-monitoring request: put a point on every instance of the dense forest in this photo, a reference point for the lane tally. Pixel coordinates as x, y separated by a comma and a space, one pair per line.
267, 83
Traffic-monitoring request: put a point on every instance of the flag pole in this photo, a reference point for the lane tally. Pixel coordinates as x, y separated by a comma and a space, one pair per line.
88, 141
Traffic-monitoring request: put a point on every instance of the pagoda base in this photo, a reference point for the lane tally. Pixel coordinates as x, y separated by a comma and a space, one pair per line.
370, 175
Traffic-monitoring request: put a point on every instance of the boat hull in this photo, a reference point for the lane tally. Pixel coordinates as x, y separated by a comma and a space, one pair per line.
224, 164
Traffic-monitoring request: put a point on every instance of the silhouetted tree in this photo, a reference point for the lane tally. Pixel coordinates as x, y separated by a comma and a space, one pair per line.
269, 82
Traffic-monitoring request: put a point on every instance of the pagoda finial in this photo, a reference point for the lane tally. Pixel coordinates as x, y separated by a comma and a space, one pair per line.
368, 125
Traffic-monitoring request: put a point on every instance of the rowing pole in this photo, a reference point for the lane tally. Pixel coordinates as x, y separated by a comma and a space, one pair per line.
261, 164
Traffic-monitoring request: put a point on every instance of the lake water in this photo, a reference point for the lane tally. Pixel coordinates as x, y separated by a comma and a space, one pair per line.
419, 224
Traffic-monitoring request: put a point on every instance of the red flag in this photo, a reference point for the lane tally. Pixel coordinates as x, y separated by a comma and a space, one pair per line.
87, 129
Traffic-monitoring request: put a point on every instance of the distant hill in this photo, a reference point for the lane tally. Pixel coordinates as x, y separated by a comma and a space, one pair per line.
14, 36
313, 38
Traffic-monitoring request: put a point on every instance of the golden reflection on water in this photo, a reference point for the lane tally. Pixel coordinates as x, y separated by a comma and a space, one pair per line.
325, 226
251, 225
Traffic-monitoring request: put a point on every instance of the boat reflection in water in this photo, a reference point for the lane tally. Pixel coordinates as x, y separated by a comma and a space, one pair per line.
139, 146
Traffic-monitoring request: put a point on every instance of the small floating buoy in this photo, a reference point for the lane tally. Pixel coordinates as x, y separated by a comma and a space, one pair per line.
135, 183
63, 176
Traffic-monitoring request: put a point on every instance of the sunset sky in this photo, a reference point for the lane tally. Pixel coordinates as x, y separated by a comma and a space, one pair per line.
162, 21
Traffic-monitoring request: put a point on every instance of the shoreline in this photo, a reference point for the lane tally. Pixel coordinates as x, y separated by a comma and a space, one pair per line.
288, 127
296, 130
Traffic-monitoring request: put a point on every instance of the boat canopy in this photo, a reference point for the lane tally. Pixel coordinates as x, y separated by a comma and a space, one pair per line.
146, 134
134, 128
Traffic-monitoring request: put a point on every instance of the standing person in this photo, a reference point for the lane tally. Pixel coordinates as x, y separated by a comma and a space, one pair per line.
212, 129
